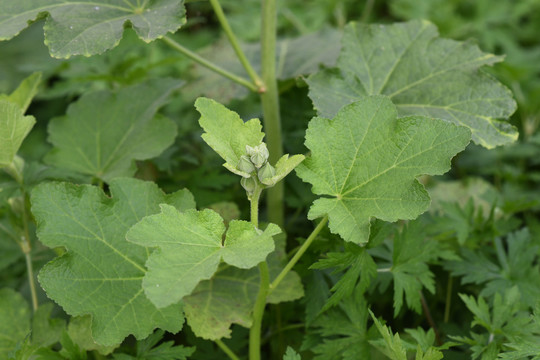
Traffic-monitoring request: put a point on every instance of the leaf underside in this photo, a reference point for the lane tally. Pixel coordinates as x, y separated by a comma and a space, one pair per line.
89, 27
422, 74
366, 160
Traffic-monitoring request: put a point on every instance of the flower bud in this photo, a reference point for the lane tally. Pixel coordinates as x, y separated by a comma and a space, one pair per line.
245, 164
266, 173
258, 154
249, 184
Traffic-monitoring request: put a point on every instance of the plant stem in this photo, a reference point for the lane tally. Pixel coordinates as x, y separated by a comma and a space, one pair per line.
195, 57
258, 311
367, 10
430, 319
270, 106
226, 350
26, 248
448, 298
298, 254
236, 46
260, 302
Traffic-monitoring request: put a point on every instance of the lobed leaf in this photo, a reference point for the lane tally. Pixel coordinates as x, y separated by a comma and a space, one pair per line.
422, 74
366, 161
89, 27
103, 133
190, 249
101, 273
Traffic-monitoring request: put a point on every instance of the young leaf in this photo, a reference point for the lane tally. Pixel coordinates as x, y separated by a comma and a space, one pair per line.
101, 273
422, 74
394, 348
104, 132
367, 161
227, 133
190, 249
14, 320
14, 127
147, 350
25, 92
91, 27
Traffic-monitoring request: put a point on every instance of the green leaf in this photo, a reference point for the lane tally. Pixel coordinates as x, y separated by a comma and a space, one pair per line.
14, 320
341, 332
290, 354
46, 331
104, 133
229, 296
394, 348
26, 91
190, 249
367, 161
91, 27
422, 74
101, 273
14, 127
227, 133
147, 350
80, 332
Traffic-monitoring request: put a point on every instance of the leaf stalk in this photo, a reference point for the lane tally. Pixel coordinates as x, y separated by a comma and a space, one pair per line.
236, 46
199, 59
226, 350
298, 254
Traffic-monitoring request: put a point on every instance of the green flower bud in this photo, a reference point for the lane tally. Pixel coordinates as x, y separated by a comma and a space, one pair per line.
266, 173
249, 184
258, 154
245, 165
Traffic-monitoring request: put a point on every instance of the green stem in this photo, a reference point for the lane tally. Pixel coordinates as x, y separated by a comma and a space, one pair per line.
448, 298
26, 248
193, 56
298, 254
270, 106
367, 10
260, 302
236, 46
226, 350
258, 311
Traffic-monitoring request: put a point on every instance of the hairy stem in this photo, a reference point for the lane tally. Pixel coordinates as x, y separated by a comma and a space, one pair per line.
195, 57
236, 46
226, 350
298, 254
258, 312
270, 106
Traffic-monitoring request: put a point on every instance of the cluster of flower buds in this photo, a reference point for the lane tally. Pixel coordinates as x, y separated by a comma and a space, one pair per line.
255, 163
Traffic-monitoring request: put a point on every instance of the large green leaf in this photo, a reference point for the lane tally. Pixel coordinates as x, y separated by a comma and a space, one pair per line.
422, 74
191, 247
88, 27
101, 273
14, 320
104, 132
366, 160
229, 296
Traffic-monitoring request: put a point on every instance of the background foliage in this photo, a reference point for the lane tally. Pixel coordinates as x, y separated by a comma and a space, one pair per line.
461, 281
